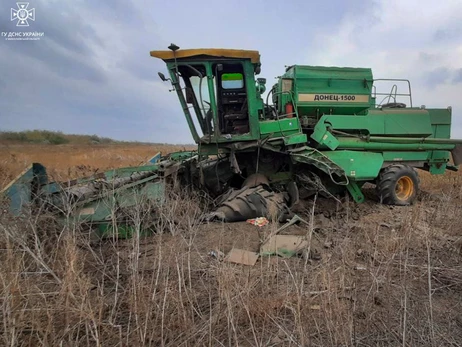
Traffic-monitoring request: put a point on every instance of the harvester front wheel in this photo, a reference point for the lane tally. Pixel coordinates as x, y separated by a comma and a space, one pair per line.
397, 185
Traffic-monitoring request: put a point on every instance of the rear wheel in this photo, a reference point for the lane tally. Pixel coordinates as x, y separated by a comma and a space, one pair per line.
397, 185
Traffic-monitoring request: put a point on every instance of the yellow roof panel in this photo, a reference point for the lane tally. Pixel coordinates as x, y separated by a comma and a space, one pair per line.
254, 56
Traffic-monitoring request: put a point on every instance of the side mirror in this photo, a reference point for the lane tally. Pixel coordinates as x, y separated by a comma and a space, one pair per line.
261, 88
162, 76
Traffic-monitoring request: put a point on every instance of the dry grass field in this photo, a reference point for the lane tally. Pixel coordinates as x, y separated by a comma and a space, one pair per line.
374, 275
72, 161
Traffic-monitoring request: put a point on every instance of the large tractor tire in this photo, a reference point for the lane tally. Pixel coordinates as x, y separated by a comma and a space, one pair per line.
397, 185
245, 203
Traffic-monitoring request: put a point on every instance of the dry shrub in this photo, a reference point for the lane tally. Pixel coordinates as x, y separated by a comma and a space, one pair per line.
371, 288
387, 276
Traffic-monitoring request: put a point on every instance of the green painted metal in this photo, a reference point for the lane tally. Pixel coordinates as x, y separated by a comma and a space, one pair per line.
438, 156
359, 165
355, 191
320, 89
295, 139
404, 123
123, 172
97, 199
21, 191
399, 156
101, 208
400, 122
324, 137
352, 143
176, 84
283, 127
437, 169
441, 122
255, 105
182, 155
413, 140
319, 160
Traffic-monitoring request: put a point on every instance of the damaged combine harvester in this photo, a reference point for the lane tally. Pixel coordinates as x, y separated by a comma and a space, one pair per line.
319, 129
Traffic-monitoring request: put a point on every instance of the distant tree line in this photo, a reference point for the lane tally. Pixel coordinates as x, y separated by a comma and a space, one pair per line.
51, 137
59, 138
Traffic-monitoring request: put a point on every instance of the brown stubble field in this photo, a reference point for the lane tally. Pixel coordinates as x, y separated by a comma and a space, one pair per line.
374, 275
72, 161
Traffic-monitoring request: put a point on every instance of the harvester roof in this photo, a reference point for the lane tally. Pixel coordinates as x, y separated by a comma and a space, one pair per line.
254, 56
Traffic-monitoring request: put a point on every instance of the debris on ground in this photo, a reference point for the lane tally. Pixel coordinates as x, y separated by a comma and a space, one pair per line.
240, 256
295, 219
284, 245
217, 254
259, 221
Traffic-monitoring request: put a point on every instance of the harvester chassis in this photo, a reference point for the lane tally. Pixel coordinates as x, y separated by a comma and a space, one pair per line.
324, 133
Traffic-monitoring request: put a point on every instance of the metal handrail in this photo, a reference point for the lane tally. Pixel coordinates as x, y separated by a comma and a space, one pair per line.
392, 95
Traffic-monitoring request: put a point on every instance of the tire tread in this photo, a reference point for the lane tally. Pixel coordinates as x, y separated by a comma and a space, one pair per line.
386, 181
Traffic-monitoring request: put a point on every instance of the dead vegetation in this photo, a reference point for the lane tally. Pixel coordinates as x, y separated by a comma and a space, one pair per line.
374, 276
72, 161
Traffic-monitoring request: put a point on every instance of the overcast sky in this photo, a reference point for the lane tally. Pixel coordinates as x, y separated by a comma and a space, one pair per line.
91, 72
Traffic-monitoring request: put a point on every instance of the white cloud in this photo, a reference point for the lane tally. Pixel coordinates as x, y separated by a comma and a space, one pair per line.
415, 40
97, 55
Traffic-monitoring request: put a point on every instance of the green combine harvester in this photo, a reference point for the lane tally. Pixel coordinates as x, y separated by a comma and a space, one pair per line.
320, 130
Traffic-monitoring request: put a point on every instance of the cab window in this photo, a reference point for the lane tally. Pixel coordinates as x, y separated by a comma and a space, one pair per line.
232, 81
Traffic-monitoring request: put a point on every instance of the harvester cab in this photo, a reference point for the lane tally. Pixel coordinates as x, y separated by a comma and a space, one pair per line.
219, 86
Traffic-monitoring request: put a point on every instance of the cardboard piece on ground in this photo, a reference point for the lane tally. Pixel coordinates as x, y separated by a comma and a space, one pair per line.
240, 256
284, 245
294, 220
